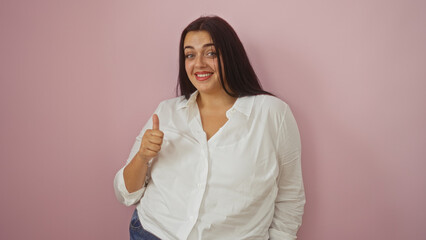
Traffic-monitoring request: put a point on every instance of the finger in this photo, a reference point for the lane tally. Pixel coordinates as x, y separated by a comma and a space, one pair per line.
156, 140
156, 133
150, 154
155, 122
153, 147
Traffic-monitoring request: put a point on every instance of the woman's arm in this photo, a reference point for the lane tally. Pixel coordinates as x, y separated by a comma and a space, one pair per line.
129, 180
135, 172
290, 200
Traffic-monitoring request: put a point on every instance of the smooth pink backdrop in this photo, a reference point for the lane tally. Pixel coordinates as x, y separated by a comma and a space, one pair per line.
80, 78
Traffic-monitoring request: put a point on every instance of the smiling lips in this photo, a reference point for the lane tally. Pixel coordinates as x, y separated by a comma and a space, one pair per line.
203, 76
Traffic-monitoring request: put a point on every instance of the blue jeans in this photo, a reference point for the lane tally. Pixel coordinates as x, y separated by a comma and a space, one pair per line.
137, 232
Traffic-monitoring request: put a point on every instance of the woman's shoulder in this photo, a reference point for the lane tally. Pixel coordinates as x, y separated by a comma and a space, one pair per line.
172, 102
270, 103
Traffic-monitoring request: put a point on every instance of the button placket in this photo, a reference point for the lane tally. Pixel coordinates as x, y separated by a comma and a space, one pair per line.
200, 178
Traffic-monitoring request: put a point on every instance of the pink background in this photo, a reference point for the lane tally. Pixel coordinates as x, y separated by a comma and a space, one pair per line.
79, 79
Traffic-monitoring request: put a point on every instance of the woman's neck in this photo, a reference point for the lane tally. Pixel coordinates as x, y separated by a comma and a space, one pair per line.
214, 101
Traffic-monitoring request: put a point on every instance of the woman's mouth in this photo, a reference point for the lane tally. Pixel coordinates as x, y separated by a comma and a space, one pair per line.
203, 76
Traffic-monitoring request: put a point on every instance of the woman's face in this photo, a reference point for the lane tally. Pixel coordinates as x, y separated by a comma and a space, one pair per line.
201, 63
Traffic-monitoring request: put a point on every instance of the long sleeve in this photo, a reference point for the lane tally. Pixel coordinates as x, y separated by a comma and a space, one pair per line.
123, 196
290, 200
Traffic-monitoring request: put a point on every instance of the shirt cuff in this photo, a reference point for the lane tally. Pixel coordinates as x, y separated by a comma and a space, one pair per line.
121, 192
278, 235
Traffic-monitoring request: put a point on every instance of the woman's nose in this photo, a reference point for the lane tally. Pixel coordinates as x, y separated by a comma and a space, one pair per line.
200, 61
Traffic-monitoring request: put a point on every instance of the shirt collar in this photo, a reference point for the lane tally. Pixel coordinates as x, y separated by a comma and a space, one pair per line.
188, 102
243, 105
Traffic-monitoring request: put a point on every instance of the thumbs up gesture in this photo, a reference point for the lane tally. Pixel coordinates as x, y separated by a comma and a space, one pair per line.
151, 140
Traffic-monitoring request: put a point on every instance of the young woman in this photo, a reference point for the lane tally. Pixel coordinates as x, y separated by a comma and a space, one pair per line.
222, 161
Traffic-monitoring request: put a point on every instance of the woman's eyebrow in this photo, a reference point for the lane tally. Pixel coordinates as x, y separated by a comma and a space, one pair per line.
208, 45
204, 46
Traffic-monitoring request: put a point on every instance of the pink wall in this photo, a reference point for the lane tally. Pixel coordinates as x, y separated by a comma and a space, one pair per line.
80, 78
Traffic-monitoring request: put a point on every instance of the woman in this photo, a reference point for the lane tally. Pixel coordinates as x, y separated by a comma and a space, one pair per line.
222, 161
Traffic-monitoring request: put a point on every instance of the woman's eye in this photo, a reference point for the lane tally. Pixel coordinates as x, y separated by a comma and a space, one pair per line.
211, 54
189, 55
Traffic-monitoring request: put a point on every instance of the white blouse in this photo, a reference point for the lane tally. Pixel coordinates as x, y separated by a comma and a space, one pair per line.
245, 182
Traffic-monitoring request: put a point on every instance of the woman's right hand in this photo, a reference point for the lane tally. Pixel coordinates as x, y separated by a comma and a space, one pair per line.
151, 141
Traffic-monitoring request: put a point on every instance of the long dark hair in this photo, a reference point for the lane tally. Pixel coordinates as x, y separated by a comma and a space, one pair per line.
240, 76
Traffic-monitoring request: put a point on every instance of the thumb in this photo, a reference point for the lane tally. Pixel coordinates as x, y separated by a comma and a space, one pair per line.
155, 122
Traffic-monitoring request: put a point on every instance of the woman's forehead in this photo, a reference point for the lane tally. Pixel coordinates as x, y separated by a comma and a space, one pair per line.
197, 39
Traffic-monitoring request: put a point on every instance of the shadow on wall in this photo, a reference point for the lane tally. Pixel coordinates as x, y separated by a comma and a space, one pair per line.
300, 76
329, 139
